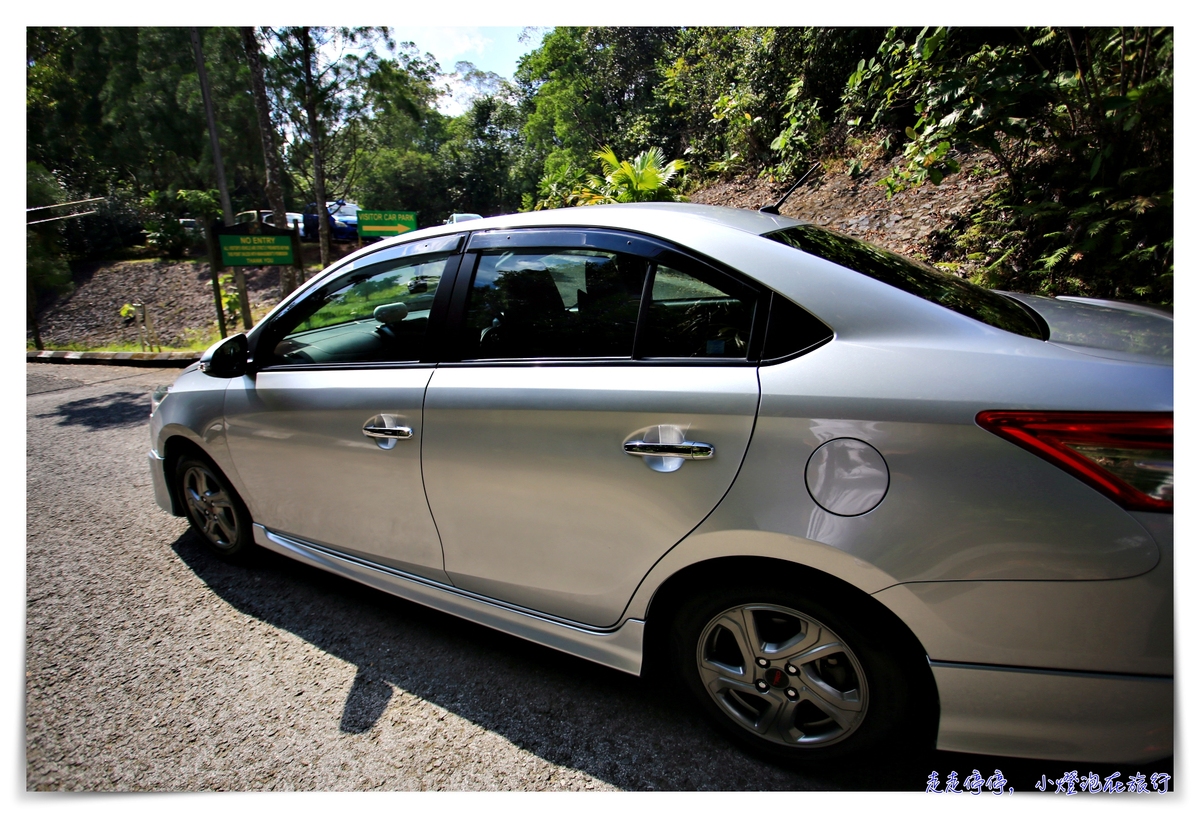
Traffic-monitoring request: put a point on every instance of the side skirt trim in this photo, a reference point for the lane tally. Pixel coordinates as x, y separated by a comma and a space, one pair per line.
619, 648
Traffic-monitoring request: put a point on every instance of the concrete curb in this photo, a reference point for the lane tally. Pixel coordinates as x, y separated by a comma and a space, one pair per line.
162, 359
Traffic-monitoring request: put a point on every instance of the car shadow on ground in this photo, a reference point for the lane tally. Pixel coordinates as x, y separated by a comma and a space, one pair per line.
103, 412
632, 733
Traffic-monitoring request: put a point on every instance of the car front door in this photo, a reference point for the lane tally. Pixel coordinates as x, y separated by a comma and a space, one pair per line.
602, 397
326, 436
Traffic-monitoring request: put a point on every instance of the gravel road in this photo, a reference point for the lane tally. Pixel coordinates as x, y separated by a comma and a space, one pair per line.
153, 666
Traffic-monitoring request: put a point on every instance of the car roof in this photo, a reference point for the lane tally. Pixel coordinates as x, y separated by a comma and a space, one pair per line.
658, 218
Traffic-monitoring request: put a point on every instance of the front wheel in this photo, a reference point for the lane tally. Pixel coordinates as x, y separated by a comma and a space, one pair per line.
214, 508
788, 677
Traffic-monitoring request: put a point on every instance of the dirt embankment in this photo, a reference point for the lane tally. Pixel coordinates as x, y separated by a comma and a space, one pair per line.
179, 295
859, 207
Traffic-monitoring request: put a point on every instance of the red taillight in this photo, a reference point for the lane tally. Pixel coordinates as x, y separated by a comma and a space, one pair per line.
1127, 456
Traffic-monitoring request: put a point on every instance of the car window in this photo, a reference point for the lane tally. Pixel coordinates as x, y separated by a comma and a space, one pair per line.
377, 314
905, 274
693, 317
791, 330
552, 304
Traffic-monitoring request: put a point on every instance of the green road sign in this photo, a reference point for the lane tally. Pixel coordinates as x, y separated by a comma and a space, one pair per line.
253, 251
385, 222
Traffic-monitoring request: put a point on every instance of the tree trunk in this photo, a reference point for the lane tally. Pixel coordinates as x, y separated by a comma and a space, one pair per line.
314, 133
287, 275
227, 209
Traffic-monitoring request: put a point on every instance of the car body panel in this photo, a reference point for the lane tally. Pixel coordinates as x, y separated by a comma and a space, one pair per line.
1101, 718
308, 470
1106, 329
619, 648
1118, 626
512, 450
194, 410
1000, 512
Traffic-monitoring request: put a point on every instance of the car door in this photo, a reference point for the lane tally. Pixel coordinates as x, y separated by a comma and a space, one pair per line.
577, 353
327, 435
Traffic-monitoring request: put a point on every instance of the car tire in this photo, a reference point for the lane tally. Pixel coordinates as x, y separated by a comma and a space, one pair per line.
214, 509
790, 677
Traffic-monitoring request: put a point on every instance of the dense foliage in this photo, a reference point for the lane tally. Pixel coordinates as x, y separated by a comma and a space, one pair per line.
1078, 124
1080, 121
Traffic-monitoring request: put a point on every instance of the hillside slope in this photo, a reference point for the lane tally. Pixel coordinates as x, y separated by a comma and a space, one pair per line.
907, 223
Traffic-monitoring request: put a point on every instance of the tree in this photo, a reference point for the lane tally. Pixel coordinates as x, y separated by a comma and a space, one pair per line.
274, 186
478, 157
321, 82
646, 179
585, 88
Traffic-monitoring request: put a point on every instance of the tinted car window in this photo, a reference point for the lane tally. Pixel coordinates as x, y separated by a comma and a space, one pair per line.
690, 317
553, 304
941, 288
791, 329
377, 314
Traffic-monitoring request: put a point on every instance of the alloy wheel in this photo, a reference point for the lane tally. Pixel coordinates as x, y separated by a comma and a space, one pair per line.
782, 675
211, 507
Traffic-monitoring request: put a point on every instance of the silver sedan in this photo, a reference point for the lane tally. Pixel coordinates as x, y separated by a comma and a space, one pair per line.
841, 499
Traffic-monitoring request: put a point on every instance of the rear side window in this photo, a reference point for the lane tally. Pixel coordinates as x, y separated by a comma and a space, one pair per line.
563, 303
941, 288
692, 318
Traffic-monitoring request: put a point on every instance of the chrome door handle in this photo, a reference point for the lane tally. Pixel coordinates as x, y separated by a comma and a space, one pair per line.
385, 431
397, 432
688, 449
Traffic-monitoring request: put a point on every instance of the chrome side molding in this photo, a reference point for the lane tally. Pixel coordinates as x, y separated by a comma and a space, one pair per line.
619, 648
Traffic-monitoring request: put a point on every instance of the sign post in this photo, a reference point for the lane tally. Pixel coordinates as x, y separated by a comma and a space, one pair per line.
377, 223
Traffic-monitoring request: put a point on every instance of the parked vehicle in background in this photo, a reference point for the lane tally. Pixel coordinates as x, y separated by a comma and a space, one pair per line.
455, 218
193, 229
343, 211
246, 216
343, 220
849, 500
267, 217
293, 220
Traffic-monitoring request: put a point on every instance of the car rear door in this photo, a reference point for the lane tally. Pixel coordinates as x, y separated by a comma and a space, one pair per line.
574, 355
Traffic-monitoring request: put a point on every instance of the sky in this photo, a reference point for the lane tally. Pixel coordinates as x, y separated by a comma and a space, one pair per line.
489, 48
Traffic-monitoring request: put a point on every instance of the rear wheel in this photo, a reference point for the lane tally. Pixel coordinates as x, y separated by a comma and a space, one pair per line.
788, 676
213, 508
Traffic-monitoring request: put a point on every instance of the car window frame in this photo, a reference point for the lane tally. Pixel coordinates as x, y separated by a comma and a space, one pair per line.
651, 250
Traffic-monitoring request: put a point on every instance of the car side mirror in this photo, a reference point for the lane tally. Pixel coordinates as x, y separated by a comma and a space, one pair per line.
226, 358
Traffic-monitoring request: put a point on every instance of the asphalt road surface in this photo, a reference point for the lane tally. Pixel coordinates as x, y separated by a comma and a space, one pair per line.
152, 666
